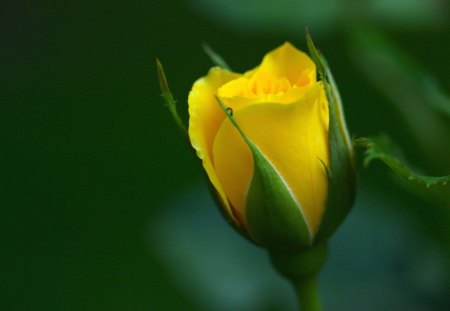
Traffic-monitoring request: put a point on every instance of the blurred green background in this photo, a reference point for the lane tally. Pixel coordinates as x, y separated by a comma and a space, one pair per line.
103, 207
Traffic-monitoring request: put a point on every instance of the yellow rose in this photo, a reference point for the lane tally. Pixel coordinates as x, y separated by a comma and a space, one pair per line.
283, 110
274, 144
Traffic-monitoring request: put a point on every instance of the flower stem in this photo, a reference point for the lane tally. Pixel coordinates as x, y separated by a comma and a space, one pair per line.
301, 268
307, 293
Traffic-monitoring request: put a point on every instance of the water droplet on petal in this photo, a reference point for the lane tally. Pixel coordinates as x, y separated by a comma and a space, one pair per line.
230, 111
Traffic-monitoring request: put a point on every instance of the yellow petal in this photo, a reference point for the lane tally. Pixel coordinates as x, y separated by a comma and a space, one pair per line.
293, 137
236, 94
285, 61
205, 117
283, 77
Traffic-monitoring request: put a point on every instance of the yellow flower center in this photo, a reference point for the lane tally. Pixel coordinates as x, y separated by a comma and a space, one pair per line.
268, 85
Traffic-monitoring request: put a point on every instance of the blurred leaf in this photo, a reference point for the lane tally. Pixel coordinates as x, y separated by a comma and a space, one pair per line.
168, 98
407, 13
215, 57
291, 16
435, 96
436, 189
410, 89
374, 47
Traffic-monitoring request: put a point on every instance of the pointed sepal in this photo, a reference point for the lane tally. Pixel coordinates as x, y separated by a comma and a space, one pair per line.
216, 59
341, 171
169, 100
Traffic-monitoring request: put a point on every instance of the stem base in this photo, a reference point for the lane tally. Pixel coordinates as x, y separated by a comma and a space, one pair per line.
301, 268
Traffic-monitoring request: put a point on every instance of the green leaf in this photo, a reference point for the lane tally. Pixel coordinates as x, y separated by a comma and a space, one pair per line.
274, 216
436, 189
342, 174
215, 57
168, 98
435, 96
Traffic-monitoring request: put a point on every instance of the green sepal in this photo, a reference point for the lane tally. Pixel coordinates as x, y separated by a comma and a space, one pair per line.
341, 171
436, 189
273, 216
169, 100
215, 57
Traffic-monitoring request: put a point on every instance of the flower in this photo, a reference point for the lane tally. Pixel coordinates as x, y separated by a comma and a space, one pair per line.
282, 111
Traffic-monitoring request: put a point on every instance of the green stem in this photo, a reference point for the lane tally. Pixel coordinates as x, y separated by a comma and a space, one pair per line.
307, 293
301, 268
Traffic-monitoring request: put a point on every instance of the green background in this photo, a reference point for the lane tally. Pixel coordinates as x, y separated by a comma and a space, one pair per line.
92, 167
